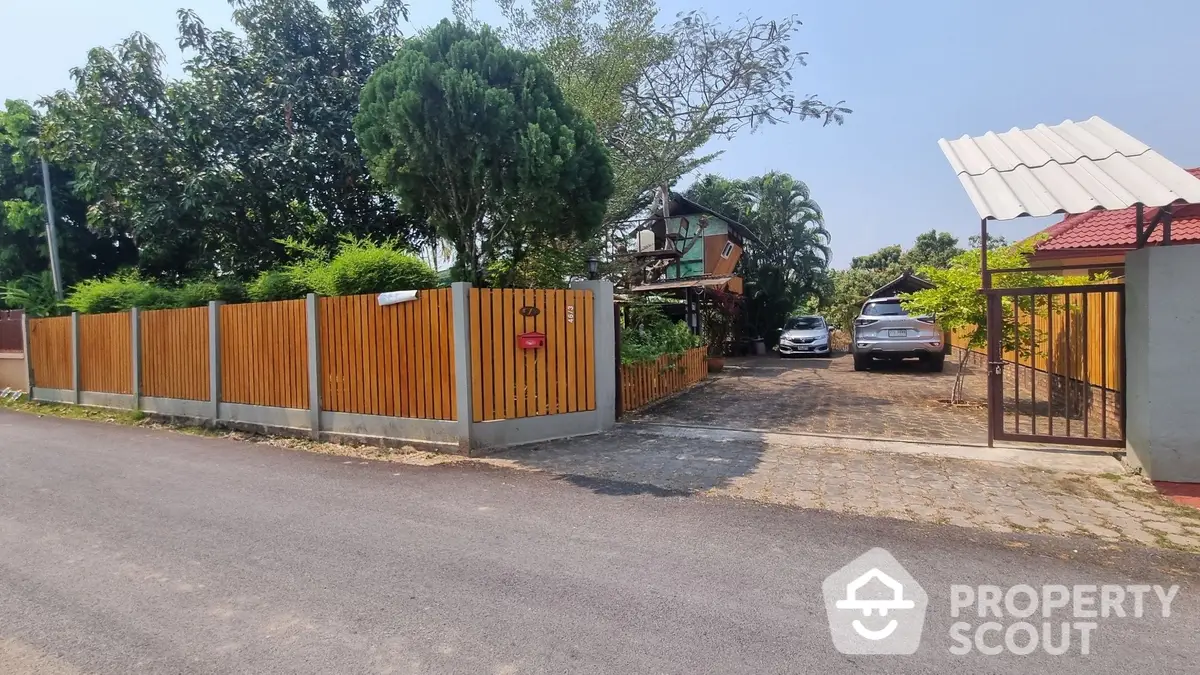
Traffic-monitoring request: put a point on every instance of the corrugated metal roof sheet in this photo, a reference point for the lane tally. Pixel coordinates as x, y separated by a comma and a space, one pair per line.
1071, 167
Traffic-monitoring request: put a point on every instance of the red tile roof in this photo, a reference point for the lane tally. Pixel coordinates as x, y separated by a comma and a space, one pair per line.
1118, 229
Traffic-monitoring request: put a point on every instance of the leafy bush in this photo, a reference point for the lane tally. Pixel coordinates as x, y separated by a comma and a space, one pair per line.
359, 266
200, 293
33, 293
650, 334
363, 266
284, 284
127, 290
118, 293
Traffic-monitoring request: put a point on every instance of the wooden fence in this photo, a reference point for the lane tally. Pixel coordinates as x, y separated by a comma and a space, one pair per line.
645, 382
106, 353
395, 360
509, 382
264, 354
175, 353
1095, 352
390, 361
50, 352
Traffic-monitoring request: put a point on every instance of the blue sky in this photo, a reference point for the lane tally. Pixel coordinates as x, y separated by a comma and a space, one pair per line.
913, 72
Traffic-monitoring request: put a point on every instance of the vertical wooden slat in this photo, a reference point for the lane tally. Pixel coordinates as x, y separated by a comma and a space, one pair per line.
553, 347
475, 342
507, 375
343, 354
323, 320
542, 357
589, 351
497, 366
572, 363
391, 338
332, 355
442, 351
529, 356
448, 347
414, 317
432, 358
561, 352
408, 358
369, 355
518, 355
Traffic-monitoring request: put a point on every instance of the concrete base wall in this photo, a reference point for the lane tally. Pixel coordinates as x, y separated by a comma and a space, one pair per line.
103, 400
284, 418
504, 433
54, 395
176, 407
1162, 321
14, 374
390, 431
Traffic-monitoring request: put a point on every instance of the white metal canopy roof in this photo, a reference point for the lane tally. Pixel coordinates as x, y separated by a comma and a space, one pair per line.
1071, 167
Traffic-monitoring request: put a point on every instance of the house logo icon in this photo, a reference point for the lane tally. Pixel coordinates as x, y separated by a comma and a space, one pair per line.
875, 606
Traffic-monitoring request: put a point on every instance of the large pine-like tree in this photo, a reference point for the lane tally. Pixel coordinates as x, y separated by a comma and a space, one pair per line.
481, 137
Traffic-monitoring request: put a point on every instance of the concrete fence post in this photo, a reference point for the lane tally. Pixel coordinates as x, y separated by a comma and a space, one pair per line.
314, 366
460, 294
604, 333
135, 326
75, 356
214, 358
27, 345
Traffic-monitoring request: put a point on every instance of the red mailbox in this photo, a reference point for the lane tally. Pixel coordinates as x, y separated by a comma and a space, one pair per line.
531, 340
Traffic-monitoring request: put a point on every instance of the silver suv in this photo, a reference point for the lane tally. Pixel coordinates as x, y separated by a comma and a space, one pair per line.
885, 331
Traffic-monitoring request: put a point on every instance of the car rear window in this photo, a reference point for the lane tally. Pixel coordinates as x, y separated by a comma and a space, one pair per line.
890, 308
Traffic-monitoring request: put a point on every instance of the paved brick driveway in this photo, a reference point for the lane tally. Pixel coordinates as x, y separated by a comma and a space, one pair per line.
826, 396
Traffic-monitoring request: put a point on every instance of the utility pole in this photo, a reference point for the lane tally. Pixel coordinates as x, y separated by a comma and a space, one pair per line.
51, 235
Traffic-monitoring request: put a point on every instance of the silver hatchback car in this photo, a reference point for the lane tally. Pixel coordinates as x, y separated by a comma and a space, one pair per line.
884, 330
804, 335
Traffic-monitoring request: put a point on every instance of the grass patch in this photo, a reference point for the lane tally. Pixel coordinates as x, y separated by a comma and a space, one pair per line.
69, 411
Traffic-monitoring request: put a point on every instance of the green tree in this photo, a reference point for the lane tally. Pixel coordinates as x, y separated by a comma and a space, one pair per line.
931, 249
481, 137
658, 94
209, 172
791, 264
888, 259
958, 305
24, 253
851, 287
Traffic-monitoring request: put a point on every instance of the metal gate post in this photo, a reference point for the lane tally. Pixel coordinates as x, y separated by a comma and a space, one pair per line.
995, 369
620, 405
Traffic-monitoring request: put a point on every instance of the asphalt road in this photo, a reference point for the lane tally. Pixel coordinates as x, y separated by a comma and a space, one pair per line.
128, 550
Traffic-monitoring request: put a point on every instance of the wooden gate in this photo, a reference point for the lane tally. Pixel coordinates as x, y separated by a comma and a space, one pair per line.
1056, 364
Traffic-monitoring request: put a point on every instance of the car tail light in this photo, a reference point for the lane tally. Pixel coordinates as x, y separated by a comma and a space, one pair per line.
865, 322
925, 319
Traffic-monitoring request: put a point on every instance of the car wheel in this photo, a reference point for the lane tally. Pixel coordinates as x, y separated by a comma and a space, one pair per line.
862, 362
937, 363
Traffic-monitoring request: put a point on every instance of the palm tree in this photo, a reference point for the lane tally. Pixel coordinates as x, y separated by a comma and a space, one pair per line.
792, 262
790, 224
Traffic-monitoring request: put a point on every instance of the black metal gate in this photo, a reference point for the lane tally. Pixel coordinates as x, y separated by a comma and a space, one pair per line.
1056, 364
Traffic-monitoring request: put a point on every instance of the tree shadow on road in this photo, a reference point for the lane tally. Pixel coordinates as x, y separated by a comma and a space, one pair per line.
633, 461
